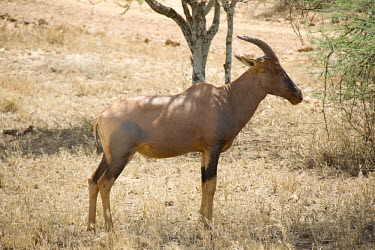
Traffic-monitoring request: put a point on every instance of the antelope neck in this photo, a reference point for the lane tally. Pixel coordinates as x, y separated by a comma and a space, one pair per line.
244, 95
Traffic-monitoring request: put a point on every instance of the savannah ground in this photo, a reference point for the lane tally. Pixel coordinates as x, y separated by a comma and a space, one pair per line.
57, 76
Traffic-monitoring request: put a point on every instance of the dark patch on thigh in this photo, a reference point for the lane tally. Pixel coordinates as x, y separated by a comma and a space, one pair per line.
100, 170
116, 167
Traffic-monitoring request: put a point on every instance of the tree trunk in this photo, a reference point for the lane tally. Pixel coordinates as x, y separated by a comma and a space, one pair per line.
201, 37
228, 50
229, 9
199, 32
198, 63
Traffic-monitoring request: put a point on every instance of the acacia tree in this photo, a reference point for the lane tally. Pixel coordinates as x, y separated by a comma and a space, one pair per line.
194, 29
344, 56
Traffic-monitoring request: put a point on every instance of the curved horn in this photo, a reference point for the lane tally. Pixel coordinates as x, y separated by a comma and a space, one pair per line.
262, 45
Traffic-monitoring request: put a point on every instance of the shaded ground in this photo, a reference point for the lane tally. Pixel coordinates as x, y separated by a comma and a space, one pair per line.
46, 141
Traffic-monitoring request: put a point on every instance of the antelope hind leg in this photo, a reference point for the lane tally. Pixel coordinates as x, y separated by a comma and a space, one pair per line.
93, 192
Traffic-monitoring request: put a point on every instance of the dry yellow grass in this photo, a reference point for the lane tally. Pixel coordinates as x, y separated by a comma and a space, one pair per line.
273, 192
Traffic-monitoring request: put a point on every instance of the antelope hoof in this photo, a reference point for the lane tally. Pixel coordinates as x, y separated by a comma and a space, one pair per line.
206, 223
109, 227
91, 227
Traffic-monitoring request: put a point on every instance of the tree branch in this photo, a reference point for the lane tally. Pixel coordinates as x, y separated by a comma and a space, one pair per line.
171, 13
233, 4
189, 19
209, 7
215, 22
225, 5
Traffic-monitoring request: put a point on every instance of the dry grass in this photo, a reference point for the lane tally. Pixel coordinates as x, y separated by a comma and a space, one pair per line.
344, 151
276, 188
9, 104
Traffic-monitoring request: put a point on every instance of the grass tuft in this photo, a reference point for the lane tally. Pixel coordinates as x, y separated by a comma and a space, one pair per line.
10, 103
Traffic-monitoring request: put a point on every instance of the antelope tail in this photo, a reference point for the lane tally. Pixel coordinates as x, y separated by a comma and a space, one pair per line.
99, 148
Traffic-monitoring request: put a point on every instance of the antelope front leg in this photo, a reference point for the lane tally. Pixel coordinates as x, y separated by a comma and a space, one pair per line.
209, 173
210, 189
203, 179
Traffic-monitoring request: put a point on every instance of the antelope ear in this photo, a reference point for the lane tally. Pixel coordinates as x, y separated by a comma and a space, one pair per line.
252, 63
246, 60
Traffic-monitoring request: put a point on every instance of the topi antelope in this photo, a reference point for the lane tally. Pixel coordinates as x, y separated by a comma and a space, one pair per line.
203, 118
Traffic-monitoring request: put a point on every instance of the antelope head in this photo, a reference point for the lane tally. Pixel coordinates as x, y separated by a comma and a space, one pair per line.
274, 79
